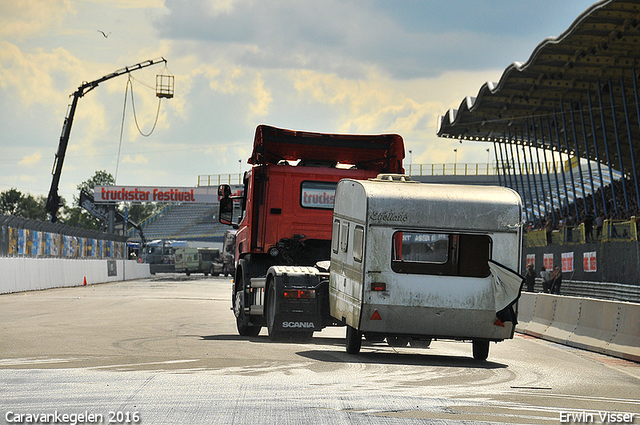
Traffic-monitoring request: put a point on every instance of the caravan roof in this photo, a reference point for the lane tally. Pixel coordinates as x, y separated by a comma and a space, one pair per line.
486, 208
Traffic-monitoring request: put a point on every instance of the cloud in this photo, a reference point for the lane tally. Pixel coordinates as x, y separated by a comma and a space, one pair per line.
27, 18
260, 107
138, 159
32, 159
403, 40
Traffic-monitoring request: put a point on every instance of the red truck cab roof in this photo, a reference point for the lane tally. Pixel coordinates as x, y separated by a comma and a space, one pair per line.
381, 153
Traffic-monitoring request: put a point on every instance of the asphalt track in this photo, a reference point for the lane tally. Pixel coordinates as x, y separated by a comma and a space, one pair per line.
165, 351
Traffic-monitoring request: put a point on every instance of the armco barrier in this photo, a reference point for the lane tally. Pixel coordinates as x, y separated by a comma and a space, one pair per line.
19, 274
607, 327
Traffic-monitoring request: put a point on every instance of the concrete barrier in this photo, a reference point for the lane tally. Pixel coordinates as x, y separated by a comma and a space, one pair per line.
544, 310
607, 327
596, 325
626, 341
19, 274
526, 309
565, 319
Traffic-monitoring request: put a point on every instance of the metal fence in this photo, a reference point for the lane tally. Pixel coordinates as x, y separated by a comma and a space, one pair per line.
25, 237
612, 231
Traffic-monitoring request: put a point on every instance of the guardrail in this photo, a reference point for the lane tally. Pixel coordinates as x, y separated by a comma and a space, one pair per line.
441, 169
612, 231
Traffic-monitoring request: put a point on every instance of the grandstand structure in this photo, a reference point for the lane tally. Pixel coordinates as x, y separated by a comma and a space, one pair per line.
190, 222
576, 99
570, 118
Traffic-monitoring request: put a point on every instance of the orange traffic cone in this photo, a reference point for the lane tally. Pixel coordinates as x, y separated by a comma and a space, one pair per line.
85, 281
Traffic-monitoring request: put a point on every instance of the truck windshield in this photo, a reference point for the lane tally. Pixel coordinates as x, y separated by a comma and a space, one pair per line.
449, 254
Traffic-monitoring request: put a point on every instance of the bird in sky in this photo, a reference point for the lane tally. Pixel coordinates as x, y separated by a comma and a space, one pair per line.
103, 33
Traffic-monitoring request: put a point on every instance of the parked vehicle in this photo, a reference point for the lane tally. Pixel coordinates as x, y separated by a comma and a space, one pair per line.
228, 253
198, 260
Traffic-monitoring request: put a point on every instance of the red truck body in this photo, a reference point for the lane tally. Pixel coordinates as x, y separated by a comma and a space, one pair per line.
275, 205
287, 206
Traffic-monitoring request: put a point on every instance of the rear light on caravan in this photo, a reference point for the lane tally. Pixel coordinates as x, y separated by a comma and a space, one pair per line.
378, 286
299, 294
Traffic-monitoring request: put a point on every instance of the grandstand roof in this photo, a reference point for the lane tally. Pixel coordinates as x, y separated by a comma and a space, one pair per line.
572, 87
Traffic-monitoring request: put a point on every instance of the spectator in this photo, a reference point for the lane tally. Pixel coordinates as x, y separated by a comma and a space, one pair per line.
556, 280
549, 231
588, 227
544, 274
599, 224
530, 278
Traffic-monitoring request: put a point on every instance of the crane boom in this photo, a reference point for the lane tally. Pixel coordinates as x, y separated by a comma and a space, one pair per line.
53, 200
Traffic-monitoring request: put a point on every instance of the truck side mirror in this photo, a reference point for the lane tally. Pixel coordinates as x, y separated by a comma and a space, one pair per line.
225, 215
224, 191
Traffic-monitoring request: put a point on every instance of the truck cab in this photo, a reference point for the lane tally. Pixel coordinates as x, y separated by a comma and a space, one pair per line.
286, 219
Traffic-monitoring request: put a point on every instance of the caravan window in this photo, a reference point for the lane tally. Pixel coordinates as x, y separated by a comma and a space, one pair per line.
358, 243
344, 237
335, 236
449, 254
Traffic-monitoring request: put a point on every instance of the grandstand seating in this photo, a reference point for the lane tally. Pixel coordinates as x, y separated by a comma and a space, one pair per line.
184, 221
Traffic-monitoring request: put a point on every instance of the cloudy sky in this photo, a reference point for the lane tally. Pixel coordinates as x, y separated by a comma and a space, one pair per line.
337, 66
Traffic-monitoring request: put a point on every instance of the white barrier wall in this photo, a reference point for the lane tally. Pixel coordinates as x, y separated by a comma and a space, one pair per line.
19, 274
607, 327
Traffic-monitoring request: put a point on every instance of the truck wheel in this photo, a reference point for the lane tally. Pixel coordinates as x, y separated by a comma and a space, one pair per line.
188, 272
274, 334
354, 340
480, 349
242, 321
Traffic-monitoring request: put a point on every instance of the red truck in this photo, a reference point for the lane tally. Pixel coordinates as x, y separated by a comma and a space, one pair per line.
285, 223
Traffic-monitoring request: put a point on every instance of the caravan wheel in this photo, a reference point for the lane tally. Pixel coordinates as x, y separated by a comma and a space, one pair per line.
354, 340
480, 349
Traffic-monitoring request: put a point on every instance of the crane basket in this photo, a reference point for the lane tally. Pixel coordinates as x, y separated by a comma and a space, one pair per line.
164, 86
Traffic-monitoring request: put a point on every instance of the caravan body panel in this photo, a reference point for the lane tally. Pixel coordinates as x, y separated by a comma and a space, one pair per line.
412, 259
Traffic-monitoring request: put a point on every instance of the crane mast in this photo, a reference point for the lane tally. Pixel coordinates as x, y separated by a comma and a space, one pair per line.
53, 199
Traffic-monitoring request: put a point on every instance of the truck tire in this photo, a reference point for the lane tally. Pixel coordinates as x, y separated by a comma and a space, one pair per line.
242, 321
354, 340
274, 334
187, 272
480, 349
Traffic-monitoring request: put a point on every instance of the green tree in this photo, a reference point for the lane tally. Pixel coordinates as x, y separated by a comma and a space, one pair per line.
10, 201
33, 207
76, 215
100, 178
14, 202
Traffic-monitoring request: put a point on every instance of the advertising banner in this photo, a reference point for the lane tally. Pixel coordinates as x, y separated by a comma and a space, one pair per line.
138, 194
531, 259
567, 262
589, 262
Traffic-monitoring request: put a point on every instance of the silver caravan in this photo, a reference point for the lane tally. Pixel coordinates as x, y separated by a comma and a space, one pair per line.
412, 262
